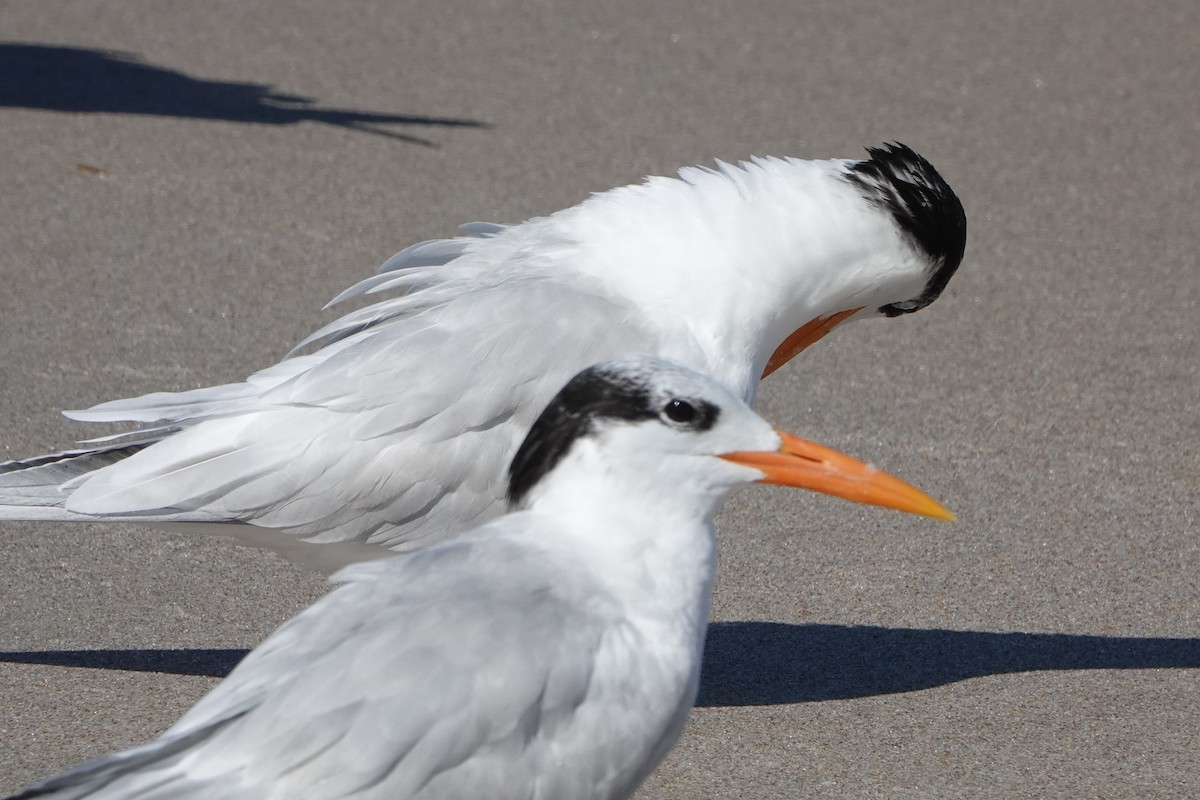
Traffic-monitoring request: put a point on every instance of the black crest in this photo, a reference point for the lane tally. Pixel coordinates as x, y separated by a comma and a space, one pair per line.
599, 392
923, 205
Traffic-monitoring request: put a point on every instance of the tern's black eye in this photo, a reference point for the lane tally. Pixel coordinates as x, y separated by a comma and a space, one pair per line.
680, 411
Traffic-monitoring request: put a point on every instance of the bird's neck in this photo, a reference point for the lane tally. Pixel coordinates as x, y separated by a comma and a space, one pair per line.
651, 547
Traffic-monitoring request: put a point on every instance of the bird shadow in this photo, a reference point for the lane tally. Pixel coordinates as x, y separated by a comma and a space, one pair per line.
775, 663
201, 661
79, 80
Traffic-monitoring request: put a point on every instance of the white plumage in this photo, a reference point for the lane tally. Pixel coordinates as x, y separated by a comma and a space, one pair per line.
393, 431
551, 653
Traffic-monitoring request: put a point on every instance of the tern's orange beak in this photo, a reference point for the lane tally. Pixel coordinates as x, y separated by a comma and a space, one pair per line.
805, 336
810, 466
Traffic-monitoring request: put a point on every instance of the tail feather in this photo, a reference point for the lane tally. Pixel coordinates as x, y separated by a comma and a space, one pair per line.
175, 406
142, 770
37, 490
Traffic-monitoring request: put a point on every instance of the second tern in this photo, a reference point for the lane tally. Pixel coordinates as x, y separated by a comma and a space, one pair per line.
389, 428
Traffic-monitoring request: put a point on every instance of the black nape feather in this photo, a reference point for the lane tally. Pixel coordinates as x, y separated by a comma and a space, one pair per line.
597, 393
923, 205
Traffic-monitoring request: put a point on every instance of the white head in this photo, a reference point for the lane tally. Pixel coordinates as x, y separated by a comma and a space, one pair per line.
761, 259
929, 227
662, 433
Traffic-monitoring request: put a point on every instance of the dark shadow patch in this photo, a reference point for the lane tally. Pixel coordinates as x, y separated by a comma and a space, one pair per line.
208, 662
773, 663
776, 663
80, 81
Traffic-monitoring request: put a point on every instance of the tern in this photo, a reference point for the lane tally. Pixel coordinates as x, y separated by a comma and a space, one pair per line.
389, 428
553, 652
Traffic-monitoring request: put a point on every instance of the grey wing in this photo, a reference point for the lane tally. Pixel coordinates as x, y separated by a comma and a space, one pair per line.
136, 768
31, 488
479, 669
395, 433
409, 682
39, 488
400, 438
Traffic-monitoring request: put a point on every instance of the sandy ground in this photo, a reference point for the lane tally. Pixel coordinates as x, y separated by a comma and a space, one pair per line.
184, 185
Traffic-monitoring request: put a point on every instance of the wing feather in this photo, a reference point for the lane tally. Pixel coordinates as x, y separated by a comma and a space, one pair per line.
432, 443
396, 430
365, 694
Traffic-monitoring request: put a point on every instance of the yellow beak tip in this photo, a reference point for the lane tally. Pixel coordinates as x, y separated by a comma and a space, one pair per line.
945, 514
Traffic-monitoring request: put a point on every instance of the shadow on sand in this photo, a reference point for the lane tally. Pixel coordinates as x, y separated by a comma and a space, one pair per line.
773, 663
80, 81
